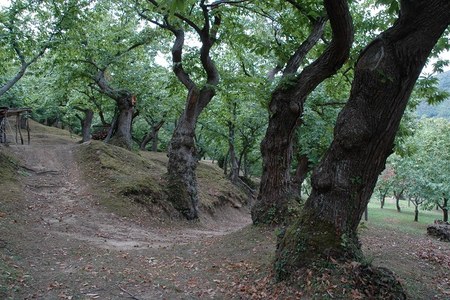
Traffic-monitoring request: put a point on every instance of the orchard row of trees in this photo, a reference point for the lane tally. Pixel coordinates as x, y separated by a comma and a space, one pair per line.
419, 171
243, 71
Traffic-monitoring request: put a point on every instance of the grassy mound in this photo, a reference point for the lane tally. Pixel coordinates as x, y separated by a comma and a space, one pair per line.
10, 201
125, 181
10, 186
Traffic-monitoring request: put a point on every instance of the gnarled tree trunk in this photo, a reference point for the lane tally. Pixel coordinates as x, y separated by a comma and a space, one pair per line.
183, 157
343, 182
125, 101
286, 107
122, 132
152, 135
182, 180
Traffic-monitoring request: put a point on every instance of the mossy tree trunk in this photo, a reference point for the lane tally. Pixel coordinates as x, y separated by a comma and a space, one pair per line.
122, 132
286, 107
344, 180
183, 157
125, 101
182, 180
234, 174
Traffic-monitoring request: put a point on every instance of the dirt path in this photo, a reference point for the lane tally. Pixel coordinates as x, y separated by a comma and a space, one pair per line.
70, 248
58, 243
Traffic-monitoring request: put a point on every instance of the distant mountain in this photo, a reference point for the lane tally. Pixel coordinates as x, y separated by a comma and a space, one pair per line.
442, 110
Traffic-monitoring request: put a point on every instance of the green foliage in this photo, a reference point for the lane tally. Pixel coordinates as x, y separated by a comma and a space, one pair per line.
437, 98
29, 29
316, 132
423, 169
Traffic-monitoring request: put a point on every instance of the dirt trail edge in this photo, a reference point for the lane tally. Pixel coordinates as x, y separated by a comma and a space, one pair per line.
70, 248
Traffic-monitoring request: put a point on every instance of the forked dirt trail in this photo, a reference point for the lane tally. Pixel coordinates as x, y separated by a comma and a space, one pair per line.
68, 247
58, 242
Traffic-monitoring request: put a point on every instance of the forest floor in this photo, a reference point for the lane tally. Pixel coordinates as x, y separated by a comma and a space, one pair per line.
58, 242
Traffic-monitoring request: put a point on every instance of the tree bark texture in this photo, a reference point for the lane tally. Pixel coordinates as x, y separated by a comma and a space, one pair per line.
122, 135
300, 173
183, 157
382, 198
286, 107
86, 123
343, 182
234, 174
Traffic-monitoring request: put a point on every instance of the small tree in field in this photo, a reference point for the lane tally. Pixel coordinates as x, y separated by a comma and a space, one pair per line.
384, 184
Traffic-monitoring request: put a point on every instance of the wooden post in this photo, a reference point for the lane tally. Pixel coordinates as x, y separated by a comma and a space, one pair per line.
28, 130
18, 128
2, 130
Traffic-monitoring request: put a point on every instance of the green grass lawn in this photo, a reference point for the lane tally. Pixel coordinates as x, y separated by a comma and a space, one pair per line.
403, 221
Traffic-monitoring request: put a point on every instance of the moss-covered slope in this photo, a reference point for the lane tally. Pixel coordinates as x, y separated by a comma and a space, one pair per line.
120, 179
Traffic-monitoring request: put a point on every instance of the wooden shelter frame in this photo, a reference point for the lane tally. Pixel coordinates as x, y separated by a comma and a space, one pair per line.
19, 114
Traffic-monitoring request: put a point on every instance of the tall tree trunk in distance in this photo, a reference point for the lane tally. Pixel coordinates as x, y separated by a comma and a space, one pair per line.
86, 124
382, 197
155, 141
416, 212
122, 135
225, 163
444, 208
344, 180
234, 174
397, 196
120, 132
286, 107
152, 135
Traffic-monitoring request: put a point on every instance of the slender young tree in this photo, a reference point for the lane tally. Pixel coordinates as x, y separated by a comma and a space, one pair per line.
385, 75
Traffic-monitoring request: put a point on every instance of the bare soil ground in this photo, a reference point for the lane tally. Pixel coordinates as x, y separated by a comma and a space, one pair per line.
57, 242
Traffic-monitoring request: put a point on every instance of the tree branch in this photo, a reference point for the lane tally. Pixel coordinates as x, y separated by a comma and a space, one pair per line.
177, 59
336, 53
296, 59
